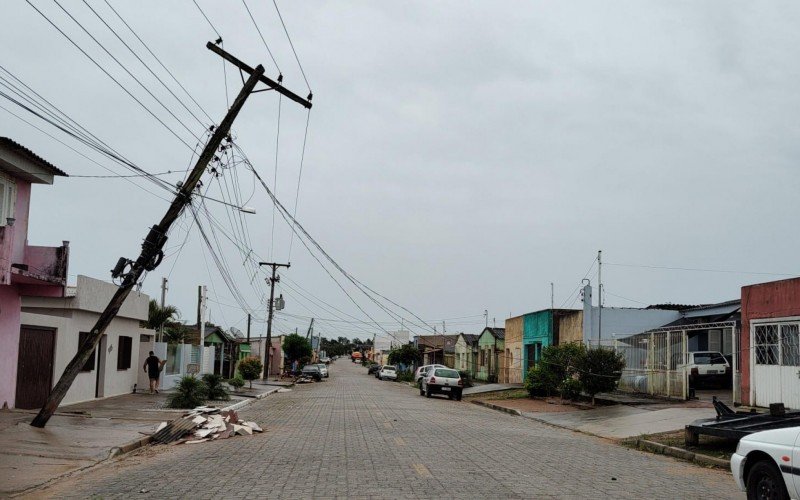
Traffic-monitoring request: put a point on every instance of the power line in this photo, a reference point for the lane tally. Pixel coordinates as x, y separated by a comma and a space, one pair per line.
262, 39
208, 20
109, 75
302, 71
275, 175
299, 177
159, 61
122, 176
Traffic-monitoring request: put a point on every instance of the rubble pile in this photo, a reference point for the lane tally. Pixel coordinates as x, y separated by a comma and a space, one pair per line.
202, 424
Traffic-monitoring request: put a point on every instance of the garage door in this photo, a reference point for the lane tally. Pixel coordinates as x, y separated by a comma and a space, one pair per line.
775, 358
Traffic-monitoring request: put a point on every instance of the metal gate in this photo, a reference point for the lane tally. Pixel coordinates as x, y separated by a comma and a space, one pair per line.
35, 367
654, 364
775, 362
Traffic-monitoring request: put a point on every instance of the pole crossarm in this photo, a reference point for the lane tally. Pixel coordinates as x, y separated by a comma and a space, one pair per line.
276, 86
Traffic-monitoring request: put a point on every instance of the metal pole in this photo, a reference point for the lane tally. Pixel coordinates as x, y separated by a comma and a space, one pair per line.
272, 280
599, 296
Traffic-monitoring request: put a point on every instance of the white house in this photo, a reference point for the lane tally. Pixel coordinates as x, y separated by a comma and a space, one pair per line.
117, 363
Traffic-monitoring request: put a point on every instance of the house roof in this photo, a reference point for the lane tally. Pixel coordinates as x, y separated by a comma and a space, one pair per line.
32, 157
470, 337
436, 342
499, 333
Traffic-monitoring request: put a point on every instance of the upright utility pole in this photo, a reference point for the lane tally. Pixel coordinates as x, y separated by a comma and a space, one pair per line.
552, 297
201, 316
599, 296
163, 303
272, 280
486, 317
150, 257
249, 320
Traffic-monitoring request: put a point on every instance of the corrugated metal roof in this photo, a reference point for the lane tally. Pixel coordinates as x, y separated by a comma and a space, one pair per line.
31, 156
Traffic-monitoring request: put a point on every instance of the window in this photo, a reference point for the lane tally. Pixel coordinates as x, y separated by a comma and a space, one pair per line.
790, 345
766, 344
8, 199
89, 366
443, 372
173, 359
124, 353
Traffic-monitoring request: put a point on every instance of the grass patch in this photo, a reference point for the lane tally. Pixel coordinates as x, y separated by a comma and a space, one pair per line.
709, 445
509, 394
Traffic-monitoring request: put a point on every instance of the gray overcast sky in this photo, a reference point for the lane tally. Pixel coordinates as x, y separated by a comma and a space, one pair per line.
461, 155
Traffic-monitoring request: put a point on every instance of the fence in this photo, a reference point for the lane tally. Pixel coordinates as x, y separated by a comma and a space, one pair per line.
654, 363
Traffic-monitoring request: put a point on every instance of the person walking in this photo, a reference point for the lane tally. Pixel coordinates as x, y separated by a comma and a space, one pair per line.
153, 366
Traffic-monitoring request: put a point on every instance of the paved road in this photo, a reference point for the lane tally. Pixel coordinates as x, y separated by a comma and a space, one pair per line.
354, 436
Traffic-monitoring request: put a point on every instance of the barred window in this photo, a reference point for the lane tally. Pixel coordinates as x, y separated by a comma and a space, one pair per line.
790, 345
766, 344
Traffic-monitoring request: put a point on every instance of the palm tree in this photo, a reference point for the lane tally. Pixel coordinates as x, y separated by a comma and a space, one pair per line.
158, 316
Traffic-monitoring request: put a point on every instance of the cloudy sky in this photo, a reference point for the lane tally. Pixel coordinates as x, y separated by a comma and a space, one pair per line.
461, 156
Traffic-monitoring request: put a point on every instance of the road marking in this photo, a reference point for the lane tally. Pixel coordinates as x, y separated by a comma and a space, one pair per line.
399, 441
422, 470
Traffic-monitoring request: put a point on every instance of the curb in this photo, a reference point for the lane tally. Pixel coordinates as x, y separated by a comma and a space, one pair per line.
129, 446
510, 411
690, 456
249, 401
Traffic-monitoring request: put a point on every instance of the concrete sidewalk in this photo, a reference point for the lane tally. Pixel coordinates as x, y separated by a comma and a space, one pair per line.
613, 422
484, 388
83, 434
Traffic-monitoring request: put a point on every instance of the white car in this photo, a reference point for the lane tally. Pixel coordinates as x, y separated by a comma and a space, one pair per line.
324, 369
767, 464
388, 372
442, 381
422, 370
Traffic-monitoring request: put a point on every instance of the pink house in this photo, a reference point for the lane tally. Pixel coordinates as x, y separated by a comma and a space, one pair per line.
25, 270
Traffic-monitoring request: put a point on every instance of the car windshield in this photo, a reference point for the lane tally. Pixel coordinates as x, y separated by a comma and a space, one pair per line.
709, 358
310, 368
392, 368
446, 373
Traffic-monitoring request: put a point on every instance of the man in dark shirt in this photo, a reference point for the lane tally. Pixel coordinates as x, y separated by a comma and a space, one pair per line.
153, 365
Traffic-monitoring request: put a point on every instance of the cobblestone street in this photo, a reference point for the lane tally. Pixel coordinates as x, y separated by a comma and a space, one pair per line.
355, 436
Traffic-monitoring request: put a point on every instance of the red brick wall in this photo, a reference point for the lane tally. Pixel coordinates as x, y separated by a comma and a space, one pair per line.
777, 299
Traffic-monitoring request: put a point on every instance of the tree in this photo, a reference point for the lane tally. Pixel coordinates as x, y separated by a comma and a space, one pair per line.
296, 347
174, 332
250, 368
556, 370
158, 316
406, 355
600, 370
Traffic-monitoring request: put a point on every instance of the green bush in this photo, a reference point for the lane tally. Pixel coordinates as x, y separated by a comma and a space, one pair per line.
236, 382
250, 368
407, 355
214, 388
538, 382
190, 393
570, 388
600, 370
405, 377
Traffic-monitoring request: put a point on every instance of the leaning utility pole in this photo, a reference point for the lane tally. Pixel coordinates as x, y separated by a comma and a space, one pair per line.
152, 248
272, 280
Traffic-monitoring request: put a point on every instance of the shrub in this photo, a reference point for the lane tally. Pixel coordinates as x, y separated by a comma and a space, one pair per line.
600, 370
538, 382
236, 382
570, 388
405, 377
190, 393
214, 388
250, 368
406, 355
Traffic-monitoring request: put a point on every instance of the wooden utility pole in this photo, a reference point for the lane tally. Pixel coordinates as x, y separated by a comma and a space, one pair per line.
164, 287
272, 280
152, 248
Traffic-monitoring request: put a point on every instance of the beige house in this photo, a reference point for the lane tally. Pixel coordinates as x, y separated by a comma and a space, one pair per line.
117, 362
570, 327
512, 353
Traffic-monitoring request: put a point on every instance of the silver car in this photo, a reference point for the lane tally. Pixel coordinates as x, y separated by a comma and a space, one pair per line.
442, 381
324, 369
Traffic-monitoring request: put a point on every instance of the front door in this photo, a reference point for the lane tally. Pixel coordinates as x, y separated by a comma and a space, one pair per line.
34, 367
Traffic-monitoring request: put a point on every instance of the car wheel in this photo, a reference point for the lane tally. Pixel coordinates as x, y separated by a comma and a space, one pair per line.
427, 392
421, 392
764, 481
458, 396
450, 396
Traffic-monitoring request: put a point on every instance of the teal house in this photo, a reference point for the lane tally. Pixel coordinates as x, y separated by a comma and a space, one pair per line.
539, 330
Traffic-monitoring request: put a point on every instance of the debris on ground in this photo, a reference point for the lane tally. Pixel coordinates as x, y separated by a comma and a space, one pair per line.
204, 423
303, 380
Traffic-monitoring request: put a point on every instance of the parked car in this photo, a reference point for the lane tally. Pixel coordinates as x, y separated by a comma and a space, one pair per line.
326, 360
373, 370
324, 369
422, 370
765, 464
388, 372
312, 371
377, 371
708, 367
442, 381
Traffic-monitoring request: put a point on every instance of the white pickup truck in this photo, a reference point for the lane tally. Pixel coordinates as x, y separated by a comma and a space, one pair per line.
767, 464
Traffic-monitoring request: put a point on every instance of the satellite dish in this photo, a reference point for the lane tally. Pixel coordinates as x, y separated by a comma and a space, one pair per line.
236, 332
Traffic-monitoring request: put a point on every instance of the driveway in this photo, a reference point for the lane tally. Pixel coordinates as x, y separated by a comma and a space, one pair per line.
355, 436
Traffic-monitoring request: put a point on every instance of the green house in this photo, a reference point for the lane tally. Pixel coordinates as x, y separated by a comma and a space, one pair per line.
490, 348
